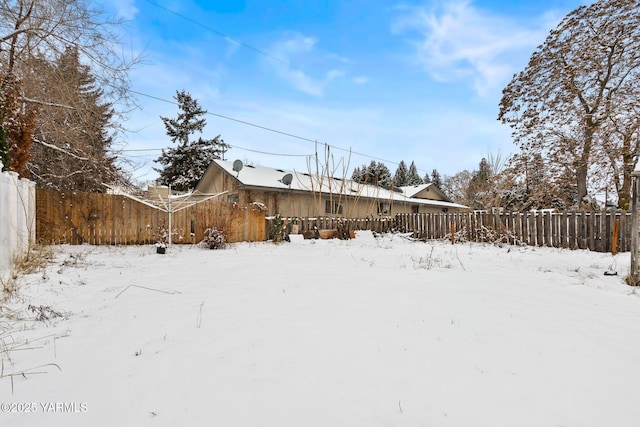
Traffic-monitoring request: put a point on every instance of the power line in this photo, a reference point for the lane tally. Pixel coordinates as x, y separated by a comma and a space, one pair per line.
230, 118
230, 146
213, 30
271, 154
291, 135
256, 50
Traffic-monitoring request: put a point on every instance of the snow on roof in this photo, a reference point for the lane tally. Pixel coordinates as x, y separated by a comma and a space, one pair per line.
270, 178
412, 190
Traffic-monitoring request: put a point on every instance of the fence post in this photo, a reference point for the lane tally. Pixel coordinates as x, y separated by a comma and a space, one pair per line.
614, 243
634, 275
453, 236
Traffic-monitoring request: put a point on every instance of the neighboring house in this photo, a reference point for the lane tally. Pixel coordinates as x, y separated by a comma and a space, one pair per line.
301, 194
426, 192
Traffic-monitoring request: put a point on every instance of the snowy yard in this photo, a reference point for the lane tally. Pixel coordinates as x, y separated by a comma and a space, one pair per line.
367, 332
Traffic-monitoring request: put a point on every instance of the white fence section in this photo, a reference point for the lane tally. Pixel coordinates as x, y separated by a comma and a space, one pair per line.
17, 217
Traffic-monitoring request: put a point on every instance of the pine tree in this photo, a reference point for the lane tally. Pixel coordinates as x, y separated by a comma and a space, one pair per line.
479, 192
412, 177
371, 173
185, 164
380, 175
401, 175
357, 174
436, 179
376, 173
74, 130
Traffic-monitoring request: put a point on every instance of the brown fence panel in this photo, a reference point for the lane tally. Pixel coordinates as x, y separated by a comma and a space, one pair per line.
586, 230
569, 229
75, 217
105, 219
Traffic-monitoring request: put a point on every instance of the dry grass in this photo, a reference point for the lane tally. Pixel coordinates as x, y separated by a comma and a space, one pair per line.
33, 261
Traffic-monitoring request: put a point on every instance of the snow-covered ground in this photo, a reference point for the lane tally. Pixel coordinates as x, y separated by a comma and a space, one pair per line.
367, 332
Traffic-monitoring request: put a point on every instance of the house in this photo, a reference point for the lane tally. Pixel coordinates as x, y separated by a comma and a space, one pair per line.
426, 192
303, 194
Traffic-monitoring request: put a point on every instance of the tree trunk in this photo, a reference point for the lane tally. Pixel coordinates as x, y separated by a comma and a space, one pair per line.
581, 175
583, 164
624, 193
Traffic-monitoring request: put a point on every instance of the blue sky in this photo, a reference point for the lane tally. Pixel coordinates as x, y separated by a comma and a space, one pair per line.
408, 80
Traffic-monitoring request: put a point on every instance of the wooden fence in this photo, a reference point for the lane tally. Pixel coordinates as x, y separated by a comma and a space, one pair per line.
76, 217
377, 224
105, 219
575, 230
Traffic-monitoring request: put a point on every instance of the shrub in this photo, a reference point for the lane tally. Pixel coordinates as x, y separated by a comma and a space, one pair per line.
281, 229
214, 238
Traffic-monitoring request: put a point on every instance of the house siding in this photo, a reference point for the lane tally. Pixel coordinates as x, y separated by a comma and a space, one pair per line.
301, 203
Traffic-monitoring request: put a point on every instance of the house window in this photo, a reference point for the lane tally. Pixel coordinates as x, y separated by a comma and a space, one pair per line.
384, 208
233, 198
415, 208
332, 207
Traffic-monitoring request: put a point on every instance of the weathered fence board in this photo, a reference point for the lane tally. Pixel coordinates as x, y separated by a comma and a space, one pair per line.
75, 217
583, 230
105, 219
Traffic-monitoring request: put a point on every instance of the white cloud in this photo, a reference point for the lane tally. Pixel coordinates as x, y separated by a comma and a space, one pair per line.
448, 139
360, 80
297, 53
457, 41
125, 9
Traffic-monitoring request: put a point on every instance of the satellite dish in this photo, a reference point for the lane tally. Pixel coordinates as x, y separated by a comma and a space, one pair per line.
286, 180
237, 166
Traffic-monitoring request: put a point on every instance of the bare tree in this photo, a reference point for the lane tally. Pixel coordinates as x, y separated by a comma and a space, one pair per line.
34, 36
456, 187
46, 28
558, 106
618, 151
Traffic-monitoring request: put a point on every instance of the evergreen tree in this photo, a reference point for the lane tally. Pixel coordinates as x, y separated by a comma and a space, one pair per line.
371, 173
376, 173
357, 174
412, 177
400, 177
185, 164
436, 179
73, 134
479, 192
379, 175
427, 178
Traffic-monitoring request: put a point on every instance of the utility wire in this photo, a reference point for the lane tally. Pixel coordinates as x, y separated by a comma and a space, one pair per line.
225, 36
245, 45
230, 146
244, 122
